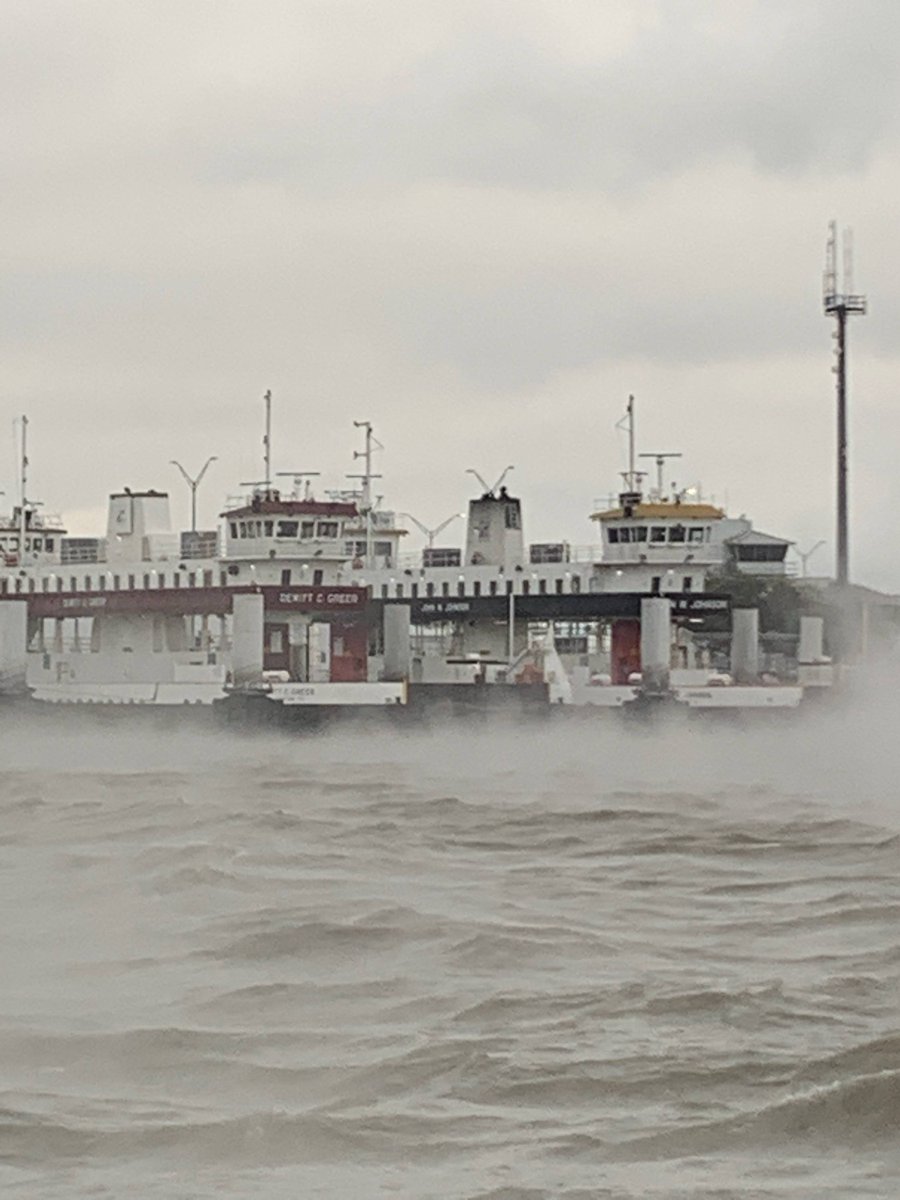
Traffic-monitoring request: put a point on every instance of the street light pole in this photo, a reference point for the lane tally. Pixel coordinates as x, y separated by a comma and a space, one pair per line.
431, 534
193, 484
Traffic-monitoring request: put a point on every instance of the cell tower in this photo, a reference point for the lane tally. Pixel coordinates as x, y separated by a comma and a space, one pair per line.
839, 303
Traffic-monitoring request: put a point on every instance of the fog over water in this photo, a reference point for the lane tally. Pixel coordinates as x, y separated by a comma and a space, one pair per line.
580, 959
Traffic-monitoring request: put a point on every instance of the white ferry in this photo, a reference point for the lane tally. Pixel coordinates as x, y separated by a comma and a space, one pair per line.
149, 615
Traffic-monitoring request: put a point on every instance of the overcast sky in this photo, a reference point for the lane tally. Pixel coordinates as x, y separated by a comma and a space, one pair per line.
479, 224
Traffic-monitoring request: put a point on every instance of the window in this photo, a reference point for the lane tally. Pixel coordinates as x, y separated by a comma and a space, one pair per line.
286, 577
223, 579
162, 580
276, 641
688, 583
317, 577
695, 534
677, 533
101, 583
73, 584
414, 591
559, 587
512, 516
117, 582
476, 588
207, 578
288, 529
654, 584
576, 584
657, 533
234, 529
176, 580
38, 543
146, 582
48, 543
268, 528
192, 579
525, 587
87, 583
461, 588
18, 584
399, 592
542, 586
445, 589
613, 534
760, 553
308, 529
492, 587
45, 585
384, 591
131, 581
328, 529
509, 587
429, 589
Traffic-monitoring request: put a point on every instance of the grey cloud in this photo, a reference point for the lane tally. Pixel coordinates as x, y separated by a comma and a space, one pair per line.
795, 87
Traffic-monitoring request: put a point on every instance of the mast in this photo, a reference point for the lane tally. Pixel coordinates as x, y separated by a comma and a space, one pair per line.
366, 481
840, 304
24, 486
631, 478
267, 443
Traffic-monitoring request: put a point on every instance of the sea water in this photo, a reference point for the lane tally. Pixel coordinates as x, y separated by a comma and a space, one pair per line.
588, 959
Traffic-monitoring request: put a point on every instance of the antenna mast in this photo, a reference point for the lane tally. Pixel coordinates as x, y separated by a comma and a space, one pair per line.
366, 480
24, 484
660, 456
632, 478
840, 304
267, 443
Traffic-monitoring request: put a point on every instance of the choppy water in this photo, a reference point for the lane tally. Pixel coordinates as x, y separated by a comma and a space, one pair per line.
496, 964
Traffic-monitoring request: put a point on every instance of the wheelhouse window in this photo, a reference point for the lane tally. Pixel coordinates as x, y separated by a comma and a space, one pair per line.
269, 526
307, 530
328, 529
288, 529
657, 534
677, 533
613, 535
234, 529
695, 534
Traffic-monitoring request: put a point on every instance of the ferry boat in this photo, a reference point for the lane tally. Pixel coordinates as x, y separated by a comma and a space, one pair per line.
148, 615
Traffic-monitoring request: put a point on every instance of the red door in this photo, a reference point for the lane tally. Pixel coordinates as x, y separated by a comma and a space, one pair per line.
276, 648
626, 649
